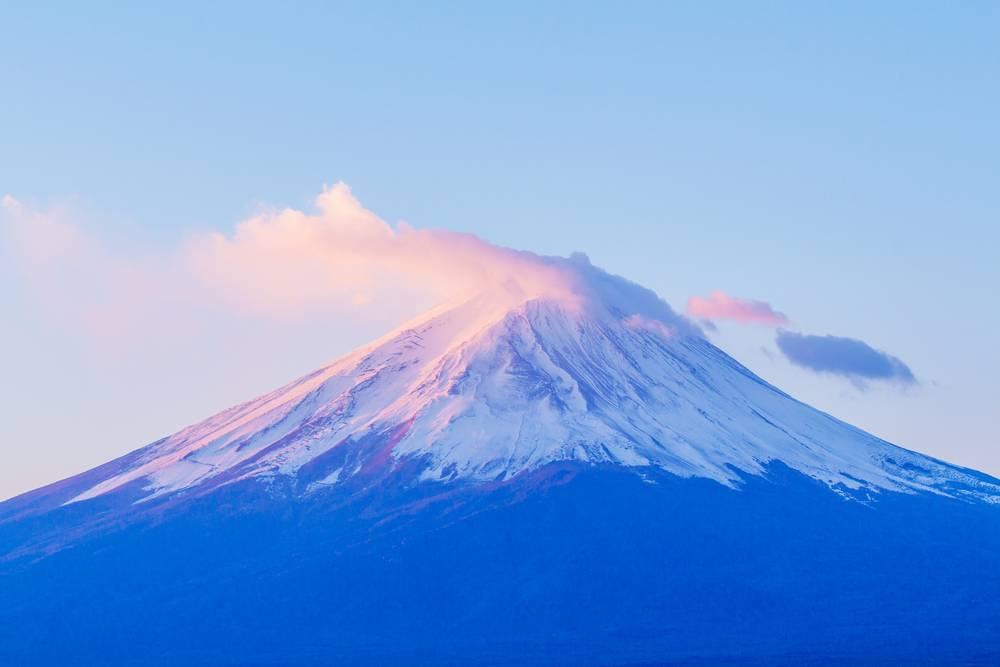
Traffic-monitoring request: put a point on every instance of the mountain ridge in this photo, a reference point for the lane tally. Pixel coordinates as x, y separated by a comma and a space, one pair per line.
497, 383
503, 382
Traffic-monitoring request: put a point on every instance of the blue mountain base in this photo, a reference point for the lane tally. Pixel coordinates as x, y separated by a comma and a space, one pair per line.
563, 566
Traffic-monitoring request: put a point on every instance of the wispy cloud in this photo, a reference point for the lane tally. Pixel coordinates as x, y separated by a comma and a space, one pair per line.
847, 357
286, 261
72, 276
720, 306
337, 259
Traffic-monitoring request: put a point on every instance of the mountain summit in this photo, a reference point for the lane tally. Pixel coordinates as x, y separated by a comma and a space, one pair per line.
569, 473
503, 382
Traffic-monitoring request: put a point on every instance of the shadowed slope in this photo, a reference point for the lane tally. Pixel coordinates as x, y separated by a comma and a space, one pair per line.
577, 566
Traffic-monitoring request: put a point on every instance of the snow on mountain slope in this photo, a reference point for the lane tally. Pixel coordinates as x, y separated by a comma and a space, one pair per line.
600, 371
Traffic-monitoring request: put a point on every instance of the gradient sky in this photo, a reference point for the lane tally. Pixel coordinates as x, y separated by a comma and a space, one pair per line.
840, 164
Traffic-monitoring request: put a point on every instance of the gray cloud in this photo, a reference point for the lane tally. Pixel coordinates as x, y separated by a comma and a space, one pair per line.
847, 357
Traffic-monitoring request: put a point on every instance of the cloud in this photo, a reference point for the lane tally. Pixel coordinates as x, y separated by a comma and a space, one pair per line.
63, 269
638, 322
287, 261
847, 357
720, 306
337, 264
42, 239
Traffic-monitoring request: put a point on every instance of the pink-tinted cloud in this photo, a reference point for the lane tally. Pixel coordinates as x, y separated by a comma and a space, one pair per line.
336, 264
41, 239
337, 261
720, 306
640, 323
76, 280
342, 255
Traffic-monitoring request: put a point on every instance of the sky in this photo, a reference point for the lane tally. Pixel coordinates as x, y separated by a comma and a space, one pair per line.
818, 185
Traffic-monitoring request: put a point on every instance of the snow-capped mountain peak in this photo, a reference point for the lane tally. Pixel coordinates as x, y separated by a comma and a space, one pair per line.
596, 370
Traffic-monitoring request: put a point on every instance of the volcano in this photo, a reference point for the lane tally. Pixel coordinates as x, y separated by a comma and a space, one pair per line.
515, 477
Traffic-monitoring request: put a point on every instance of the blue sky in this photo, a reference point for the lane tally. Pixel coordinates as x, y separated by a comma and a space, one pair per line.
837, 162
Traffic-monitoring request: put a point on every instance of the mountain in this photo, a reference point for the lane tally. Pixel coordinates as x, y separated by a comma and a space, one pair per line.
517, 477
